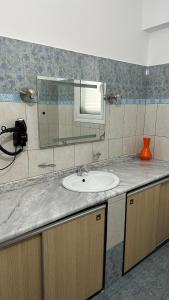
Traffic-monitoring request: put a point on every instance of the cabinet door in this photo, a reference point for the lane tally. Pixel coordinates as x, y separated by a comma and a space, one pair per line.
73, 258
141, 226
20, 271
163, 218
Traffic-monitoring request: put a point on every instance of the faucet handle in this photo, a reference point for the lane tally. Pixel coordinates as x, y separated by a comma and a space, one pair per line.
96, 155
79, 168
85, 168
82, 169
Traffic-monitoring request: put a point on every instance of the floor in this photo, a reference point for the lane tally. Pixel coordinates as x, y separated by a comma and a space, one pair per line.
149, 280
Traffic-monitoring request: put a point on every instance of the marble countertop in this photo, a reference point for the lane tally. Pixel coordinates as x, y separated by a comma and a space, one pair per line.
30, 207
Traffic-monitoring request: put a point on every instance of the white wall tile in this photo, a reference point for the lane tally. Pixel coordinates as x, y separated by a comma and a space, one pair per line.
138, 143
75, 130
83, 154
130, 118
152, 144
115, 147
37, 157
6, 141
162, 125
161, 150
43, 124
140, 119
101, 147
32, 125
150, 119
116, 121
129, 145
9, 113
53, 125
107, 121
17, 171
64, 157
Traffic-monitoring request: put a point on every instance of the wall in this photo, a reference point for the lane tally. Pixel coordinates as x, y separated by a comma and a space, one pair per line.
155, 13
158, 50
108, 28
157, 110
155, 19
21, 62
157, 92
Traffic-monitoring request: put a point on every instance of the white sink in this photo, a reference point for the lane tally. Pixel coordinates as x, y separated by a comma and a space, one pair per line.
93, 181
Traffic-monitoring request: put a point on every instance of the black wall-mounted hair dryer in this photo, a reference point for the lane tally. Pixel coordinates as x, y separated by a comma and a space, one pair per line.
20, 137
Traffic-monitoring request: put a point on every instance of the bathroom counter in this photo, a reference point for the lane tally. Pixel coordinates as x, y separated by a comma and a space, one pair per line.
30, 207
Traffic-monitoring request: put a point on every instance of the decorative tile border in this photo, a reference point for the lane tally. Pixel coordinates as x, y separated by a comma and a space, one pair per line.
133, 101
157, 101
14, 97
69, 102
10, 98
24, 61
55, 101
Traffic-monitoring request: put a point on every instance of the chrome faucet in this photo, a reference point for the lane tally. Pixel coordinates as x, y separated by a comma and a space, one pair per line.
82, 170
97, 155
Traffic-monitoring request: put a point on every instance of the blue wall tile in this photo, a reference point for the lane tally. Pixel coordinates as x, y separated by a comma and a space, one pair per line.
158, 82
21, 62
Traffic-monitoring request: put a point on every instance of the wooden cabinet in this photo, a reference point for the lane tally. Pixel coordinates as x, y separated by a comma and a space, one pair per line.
163, 217
73, 255
20, 271
64, 262
141, 225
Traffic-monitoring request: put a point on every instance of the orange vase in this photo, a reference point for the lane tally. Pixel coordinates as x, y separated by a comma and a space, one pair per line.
145, 153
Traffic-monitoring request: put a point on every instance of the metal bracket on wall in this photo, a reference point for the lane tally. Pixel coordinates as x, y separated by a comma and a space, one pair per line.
27, 94
112, 99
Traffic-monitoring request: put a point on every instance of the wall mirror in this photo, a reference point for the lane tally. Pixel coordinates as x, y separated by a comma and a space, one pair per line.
70, 111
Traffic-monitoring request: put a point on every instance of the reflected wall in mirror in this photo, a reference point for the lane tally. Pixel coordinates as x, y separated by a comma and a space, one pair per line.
70, 111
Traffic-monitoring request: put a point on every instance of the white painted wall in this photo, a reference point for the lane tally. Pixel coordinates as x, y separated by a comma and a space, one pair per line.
155, 13
108, 28
158, 50
155, 18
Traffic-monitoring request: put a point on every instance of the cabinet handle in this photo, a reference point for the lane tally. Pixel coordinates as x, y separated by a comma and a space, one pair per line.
98, 217
131, 201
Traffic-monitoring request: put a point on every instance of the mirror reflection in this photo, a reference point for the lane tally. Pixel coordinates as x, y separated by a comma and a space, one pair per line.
70, 111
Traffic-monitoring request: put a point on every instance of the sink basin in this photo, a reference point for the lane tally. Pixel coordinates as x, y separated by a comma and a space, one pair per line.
93, 181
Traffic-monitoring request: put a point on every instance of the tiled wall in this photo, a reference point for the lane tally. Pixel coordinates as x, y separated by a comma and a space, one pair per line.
21, 62
157, 110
